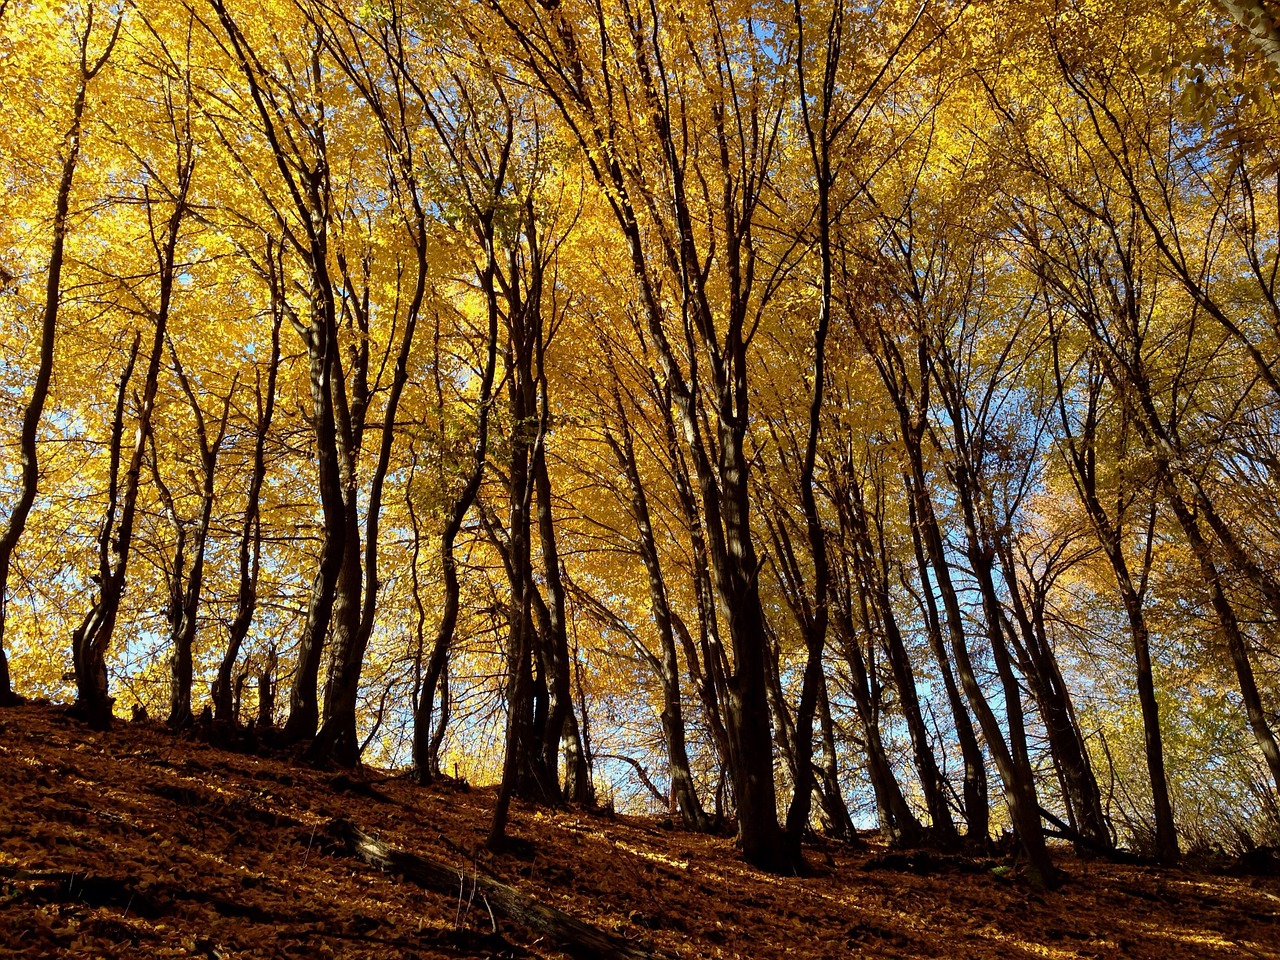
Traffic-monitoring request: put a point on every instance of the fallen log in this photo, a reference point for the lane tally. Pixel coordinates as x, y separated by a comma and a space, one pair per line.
1114, 854
572, 935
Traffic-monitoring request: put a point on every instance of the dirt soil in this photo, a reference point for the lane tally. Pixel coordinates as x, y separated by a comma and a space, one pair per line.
137, 843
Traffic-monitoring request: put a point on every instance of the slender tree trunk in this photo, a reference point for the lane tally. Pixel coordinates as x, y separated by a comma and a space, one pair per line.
1066, 743
981, 556
185, 591
267, 690
180, 659
442, 721
16, 522
834, 810
578, 788
335, 739
873, 575
815, 615
1082, 457
1162, 444
519, 747
784, 726
92, 638
93, 702
706, 661
519, 723
304, 708
338, 735
976, 804
898, 823
250, 552
1166, 835
1125, 369
555, 640
1024, 814
7, 697
1237, 646
682, 786
738, 596
423, 768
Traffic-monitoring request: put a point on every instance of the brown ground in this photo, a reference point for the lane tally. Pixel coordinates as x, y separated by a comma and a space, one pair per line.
135, 843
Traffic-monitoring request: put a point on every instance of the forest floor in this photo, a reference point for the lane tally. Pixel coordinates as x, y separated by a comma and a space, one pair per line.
137, 843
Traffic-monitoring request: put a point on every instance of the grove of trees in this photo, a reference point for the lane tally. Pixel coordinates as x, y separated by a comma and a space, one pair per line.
801, 415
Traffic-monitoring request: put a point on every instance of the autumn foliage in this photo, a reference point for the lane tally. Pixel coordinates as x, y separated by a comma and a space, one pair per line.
798, 416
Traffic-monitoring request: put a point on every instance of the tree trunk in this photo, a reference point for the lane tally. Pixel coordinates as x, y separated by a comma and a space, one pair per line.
93, 637
1066, 743
897, 822
180, 665
1166, 835
834, 811
267, 690
250, 552
16, 522
555, 640
1082, 456
519, 747
423, 767
737, 570
706, 661
1162, 444
184, 595
578, 788
873, 575
1237, 646
337, 738
1024, 813
93, 702
976, 805
682, 786
320, 337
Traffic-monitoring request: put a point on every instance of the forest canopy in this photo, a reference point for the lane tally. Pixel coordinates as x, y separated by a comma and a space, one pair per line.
812, 415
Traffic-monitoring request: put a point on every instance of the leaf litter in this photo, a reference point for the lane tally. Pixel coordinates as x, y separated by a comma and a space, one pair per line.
139, 843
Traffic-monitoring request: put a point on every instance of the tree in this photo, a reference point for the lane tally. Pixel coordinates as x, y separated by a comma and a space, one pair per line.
90, 64
290, 120
163, 196
185, 582
741, 106
250, 549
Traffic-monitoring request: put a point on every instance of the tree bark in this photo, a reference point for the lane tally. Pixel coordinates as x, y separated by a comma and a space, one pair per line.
834, 809
554, 637
1237, 646
897, 821
93, 702
520, 751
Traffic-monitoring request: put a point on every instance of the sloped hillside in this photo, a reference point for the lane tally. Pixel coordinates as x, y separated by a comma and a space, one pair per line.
135, 843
